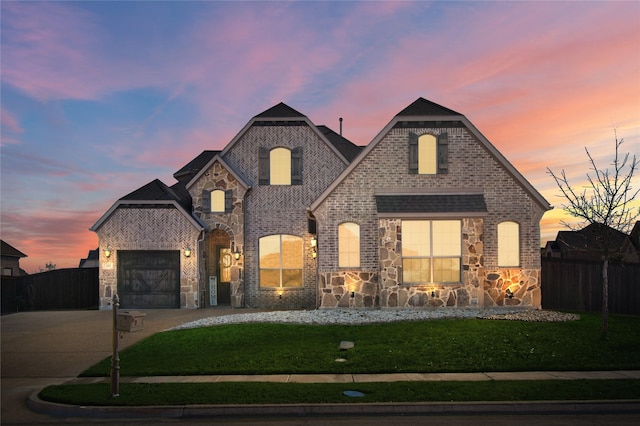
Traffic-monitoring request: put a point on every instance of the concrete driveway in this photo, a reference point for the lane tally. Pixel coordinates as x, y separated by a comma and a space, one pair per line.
52, 347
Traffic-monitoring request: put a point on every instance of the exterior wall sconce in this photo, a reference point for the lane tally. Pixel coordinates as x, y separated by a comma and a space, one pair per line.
236, 251
314, 247
353, 294
187, 252
509, 293
107, 252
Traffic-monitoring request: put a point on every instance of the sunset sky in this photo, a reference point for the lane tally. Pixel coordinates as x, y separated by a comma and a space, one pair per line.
100, 98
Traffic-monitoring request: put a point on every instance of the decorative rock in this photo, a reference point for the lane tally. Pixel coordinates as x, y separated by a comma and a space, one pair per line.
344, 345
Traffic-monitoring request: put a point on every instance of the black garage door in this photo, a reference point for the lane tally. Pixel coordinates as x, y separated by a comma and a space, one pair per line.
149, 279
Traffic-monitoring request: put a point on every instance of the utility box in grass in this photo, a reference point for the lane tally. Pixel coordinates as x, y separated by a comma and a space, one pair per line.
130, 321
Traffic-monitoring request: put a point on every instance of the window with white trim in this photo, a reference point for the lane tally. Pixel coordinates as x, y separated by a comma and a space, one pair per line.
508, 244
431, 251
281, 261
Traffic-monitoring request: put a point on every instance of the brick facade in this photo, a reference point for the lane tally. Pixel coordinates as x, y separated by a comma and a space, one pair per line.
333, 191
148, 229
471, 167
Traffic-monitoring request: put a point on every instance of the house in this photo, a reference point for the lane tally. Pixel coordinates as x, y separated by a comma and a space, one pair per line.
591, 242
91, 261
11, 260
293, 215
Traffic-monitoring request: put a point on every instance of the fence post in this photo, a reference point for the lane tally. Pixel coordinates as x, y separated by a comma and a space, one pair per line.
115, 358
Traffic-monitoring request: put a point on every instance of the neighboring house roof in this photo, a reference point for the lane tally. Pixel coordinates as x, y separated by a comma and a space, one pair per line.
347, 148
195, 165
432, 203
8, 250
283, 115
424, 110
592, 238
91, 260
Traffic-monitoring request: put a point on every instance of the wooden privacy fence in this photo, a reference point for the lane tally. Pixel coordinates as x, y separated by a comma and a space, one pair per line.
73, 288
577, 285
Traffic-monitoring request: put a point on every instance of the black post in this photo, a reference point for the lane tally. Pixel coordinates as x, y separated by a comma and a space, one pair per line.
115, 359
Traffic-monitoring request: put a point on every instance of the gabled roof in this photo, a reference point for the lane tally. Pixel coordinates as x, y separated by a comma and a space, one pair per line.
283, 114
194, 166
155, 193
281, 110
345, 146
8, 250
428, 111
224, 164
422, 107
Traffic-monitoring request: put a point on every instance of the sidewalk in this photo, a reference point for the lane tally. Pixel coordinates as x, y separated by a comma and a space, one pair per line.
370, 378
344, 409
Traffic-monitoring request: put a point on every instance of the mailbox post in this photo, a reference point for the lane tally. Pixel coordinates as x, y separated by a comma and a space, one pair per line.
115, 359
125, 321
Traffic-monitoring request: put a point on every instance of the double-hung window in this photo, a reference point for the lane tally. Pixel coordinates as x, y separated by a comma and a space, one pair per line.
431, 251
281, 261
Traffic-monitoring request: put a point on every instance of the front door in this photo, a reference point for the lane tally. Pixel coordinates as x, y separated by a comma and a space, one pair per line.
224, 276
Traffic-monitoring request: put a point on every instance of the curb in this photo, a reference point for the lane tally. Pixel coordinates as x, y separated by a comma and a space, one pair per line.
300, 410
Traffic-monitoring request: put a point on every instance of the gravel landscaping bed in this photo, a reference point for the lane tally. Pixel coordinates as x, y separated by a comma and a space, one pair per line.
370, 316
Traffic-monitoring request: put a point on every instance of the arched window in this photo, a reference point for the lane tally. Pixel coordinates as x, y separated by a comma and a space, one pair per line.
217, 201
427, 155
348, 245
508, 244
281, 261
280, 166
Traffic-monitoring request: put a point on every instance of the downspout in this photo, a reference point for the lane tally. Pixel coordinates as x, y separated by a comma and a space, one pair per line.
199, 245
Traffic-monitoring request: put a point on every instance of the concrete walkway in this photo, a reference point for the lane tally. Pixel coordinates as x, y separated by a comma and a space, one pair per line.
371, 378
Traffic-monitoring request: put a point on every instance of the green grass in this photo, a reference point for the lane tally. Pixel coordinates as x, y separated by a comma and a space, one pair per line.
132, 394
429, 346
460, 345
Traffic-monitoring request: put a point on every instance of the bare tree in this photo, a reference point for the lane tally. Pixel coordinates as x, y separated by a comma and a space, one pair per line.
605, 201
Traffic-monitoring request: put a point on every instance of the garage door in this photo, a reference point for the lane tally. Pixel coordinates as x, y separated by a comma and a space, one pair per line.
149, 279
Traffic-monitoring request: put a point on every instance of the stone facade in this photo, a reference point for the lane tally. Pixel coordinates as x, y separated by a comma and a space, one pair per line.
217, 176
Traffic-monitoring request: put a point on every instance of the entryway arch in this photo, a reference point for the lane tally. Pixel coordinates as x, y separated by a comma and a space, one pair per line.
218, 262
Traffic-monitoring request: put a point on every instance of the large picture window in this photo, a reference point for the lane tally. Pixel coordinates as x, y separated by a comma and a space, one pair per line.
348, 245
281, 261
431, 251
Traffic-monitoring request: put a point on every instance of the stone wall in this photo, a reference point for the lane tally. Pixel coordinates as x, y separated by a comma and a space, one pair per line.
232, 223
148, 229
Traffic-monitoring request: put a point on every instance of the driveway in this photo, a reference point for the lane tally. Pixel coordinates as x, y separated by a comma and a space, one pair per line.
51, 347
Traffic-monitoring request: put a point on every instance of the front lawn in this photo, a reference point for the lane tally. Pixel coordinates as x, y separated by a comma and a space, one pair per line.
459, 345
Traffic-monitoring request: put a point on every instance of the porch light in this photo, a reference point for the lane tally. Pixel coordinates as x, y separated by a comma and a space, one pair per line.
235, 250
107, 252
187, 252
